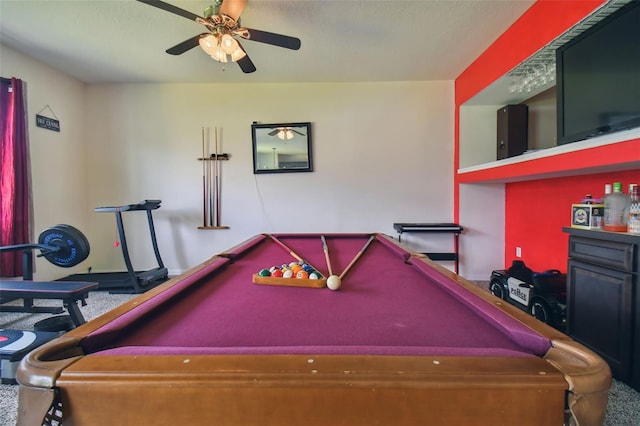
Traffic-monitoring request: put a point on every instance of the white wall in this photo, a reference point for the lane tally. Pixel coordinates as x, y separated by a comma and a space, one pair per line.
478, 134
482, 215
383, 153
58, 160
482, 243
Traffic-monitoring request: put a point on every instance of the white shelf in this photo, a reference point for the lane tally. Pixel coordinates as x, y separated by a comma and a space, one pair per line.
609, 139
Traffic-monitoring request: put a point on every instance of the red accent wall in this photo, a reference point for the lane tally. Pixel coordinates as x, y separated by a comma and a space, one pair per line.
536, 211
541, 23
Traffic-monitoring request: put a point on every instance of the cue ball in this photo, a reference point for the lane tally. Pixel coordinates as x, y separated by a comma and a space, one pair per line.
333, 282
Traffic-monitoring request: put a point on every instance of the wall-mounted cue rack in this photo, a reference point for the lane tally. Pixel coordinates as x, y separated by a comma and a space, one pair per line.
211, 181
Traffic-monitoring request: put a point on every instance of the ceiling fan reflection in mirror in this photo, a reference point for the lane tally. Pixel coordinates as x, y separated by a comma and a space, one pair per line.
222, 22
285, 133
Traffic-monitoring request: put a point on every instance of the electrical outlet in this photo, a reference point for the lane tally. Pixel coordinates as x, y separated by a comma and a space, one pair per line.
518, 251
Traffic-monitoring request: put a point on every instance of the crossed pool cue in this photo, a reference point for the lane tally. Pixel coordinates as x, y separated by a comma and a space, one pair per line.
325, 248
291, 252
326, 254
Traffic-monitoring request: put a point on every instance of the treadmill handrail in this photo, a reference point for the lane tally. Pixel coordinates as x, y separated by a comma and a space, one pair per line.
142, 205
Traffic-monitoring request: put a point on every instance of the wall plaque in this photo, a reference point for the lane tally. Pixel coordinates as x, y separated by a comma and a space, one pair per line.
47, 123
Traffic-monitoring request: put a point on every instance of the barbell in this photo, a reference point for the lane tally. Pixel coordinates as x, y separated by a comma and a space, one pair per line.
62, 245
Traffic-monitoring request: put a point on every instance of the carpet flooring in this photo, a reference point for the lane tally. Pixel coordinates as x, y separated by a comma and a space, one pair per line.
623, 408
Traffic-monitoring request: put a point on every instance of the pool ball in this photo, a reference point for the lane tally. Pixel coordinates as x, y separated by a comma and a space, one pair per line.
302, 274
287, 274
264, 273
277, 273
334, 282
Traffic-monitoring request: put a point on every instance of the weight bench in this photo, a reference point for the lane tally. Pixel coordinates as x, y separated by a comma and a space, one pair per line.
67, 291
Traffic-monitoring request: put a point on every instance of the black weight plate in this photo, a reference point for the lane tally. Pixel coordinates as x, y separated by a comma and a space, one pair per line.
54, 324
72, 246
80, 240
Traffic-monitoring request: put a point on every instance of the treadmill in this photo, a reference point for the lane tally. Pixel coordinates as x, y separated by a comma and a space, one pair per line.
131, 281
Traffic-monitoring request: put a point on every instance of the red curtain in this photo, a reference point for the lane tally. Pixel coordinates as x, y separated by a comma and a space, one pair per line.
14, 175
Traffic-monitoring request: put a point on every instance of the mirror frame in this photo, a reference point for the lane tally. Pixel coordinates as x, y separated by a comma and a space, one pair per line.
301, 141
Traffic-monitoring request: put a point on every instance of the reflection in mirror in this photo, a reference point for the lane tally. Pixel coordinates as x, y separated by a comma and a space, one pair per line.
282, 148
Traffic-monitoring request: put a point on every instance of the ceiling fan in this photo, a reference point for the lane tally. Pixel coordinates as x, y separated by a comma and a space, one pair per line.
222, 22
284, 133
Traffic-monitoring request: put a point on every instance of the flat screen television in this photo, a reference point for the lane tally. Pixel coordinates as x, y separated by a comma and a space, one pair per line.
598, 78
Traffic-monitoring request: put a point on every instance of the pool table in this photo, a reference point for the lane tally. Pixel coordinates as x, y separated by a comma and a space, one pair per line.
404, 341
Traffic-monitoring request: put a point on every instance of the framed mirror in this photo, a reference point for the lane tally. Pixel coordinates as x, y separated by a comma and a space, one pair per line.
282, 148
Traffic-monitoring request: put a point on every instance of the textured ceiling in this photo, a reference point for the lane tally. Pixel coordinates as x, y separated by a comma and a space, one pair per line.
350, 40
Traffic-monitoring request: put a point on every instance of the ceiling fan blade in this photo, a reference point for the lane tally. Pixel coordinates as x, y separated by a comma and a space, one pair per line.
186, 45
245, 63
270, 38
171, 8
274, 132
232, 8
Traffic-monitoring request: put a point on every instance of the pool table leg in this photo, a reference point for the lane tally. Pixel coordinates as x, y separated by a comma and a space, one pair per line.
33, 402
589, 379
588, 409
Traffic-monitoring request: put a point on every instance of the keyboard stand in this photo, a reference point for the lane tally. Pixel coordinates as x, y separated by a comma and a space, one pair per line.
452, 228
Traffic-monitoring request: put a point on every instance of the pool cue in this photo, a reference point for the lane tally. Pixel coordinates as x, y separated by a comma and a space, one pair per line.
291, 252
204, 184
286, 248
211, 223
216, 173
325, 248
355, 259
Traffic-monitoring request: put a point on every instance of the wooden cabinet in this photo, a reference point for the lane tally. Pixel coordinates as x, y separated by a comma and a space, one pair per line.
603, 300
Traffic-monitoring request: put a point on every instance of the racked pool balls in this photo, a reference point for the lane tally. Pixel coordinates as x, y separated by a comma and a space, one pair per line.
300, 270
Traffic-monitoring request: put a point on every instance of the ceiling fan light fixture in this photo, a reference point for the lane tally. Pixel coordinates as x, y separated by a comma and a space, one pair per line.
209, 44
285, 134
222, 48
220, 56
238, 54
228, 44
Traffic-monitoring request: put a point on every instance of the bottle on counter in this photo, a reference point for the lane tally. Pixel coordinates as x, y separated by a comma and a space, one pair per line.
633, 223
616, 210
